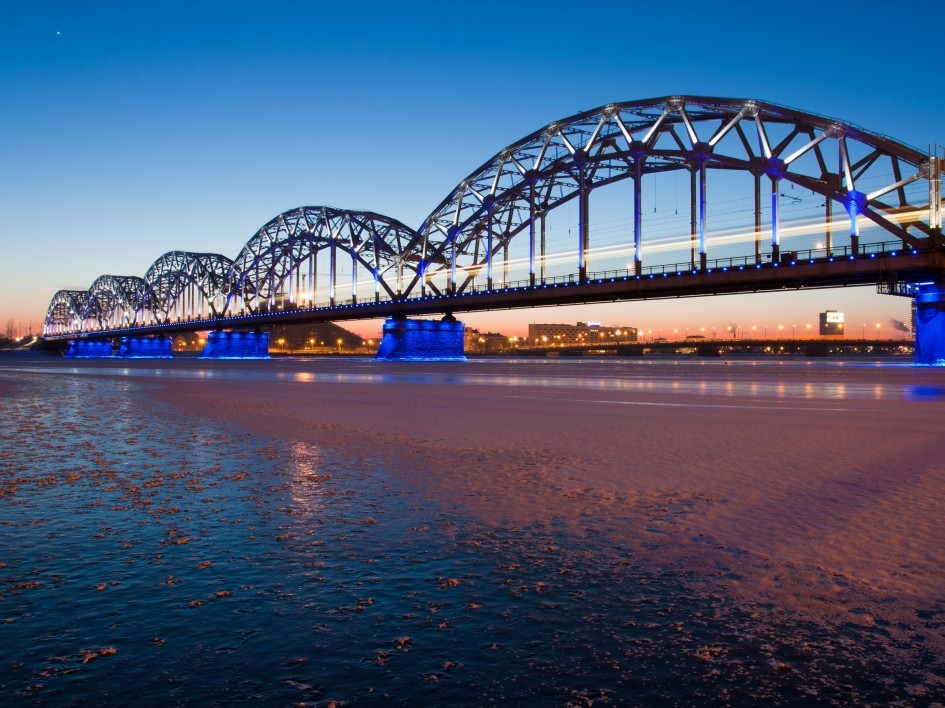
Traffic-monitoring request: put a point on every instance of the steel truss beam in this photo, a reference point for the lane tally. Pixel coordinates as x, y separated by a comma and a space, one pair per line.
113, 301
277, 268
181, 285
66, 312
569, 158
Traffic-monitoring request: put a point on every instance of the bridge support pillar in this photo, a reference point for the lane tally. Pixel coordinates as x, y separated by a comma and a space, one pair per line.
89, 349
146, 348
422, 340
236, 345
930, 324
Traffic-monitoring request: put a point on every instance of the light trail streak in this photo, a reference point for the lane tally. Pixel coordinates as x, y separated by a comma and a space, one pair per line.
623, 252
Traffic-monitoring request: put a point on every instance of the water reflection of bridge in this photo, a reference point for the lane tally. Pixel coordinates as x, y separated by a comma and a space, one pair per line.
769, 198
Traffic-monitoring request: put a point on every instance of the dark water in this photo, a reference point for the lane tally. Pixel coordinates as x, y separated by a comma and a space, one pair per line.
151, 559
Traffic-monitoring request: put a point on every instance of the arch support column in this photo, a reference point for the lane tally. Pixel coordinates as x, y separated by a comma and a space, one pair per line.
775, 222
935, 200
583, 224
531, 234
638, 215
332, 272
700, 235
489, 248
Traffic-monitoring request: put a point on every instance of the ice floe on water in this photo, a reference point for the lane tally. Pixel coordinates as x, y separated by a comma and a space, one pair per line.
469, 540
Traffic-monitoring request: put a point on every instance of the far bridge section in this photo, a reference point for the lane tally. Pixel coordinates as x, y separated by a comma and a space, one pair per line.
690, 195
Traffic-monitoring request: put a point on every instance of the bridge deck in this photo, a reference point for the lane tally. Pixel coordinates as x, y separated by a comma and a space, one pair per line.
721, 277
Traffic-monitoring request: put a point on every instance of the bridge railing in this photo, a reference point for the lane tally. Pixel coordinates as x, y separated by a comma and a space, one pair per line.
811, 255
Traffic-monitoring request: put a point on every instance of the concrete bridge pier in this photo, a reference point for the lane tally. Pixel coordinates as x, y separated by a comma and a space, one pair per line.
146, 348
422, 340
930, 323
90, 349
236, 345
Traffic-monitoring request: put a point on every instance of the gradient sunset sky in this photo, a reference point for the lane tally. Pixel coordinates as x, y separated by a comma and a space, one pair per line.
131, 129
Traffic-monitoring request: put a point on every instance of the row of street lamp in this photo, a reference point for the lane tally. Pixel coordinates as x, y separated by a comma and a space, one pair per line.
733, 332
281, 345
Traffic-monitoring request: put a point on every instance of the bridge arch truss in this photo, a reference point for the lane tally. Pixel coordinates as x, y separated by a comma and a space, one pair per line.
181, 285
279, 267
66, 312
113, 301
857, 178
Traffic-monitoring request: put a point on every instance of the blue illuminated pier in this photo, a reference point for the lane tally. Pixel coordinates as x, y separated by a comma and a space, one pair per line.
236, 345
422, 340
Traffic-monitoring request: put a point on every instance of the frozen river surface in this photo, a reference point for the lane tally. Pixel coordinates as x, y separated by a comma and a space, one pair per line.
599, 532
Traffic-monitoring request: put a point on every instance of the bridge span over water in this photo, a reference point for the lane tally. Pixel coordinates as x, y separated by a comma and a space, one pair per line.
668, 197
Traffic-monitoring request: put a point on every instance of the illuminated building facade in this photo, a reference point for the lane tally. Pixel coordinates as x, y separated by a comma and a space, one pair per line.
831, 323
476, 342
580, 333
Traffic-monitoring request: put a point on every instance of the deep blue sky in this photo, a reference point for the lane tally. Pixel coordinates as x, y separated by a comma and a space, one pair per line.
132, 129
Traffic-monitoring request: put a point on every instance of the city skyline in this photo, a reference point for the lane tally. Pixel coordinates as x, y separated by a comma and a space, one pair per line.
133, 132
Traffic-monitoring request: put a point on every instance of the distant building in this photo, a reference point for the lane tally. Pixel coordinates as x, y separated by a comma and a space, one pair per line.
831, 323
476, 342
313, 337
580, 333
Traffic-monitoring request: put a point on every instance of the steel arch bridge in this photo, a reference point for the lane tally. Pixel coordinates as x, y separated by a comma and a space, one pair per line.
182, 284
820, 203
274, 265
